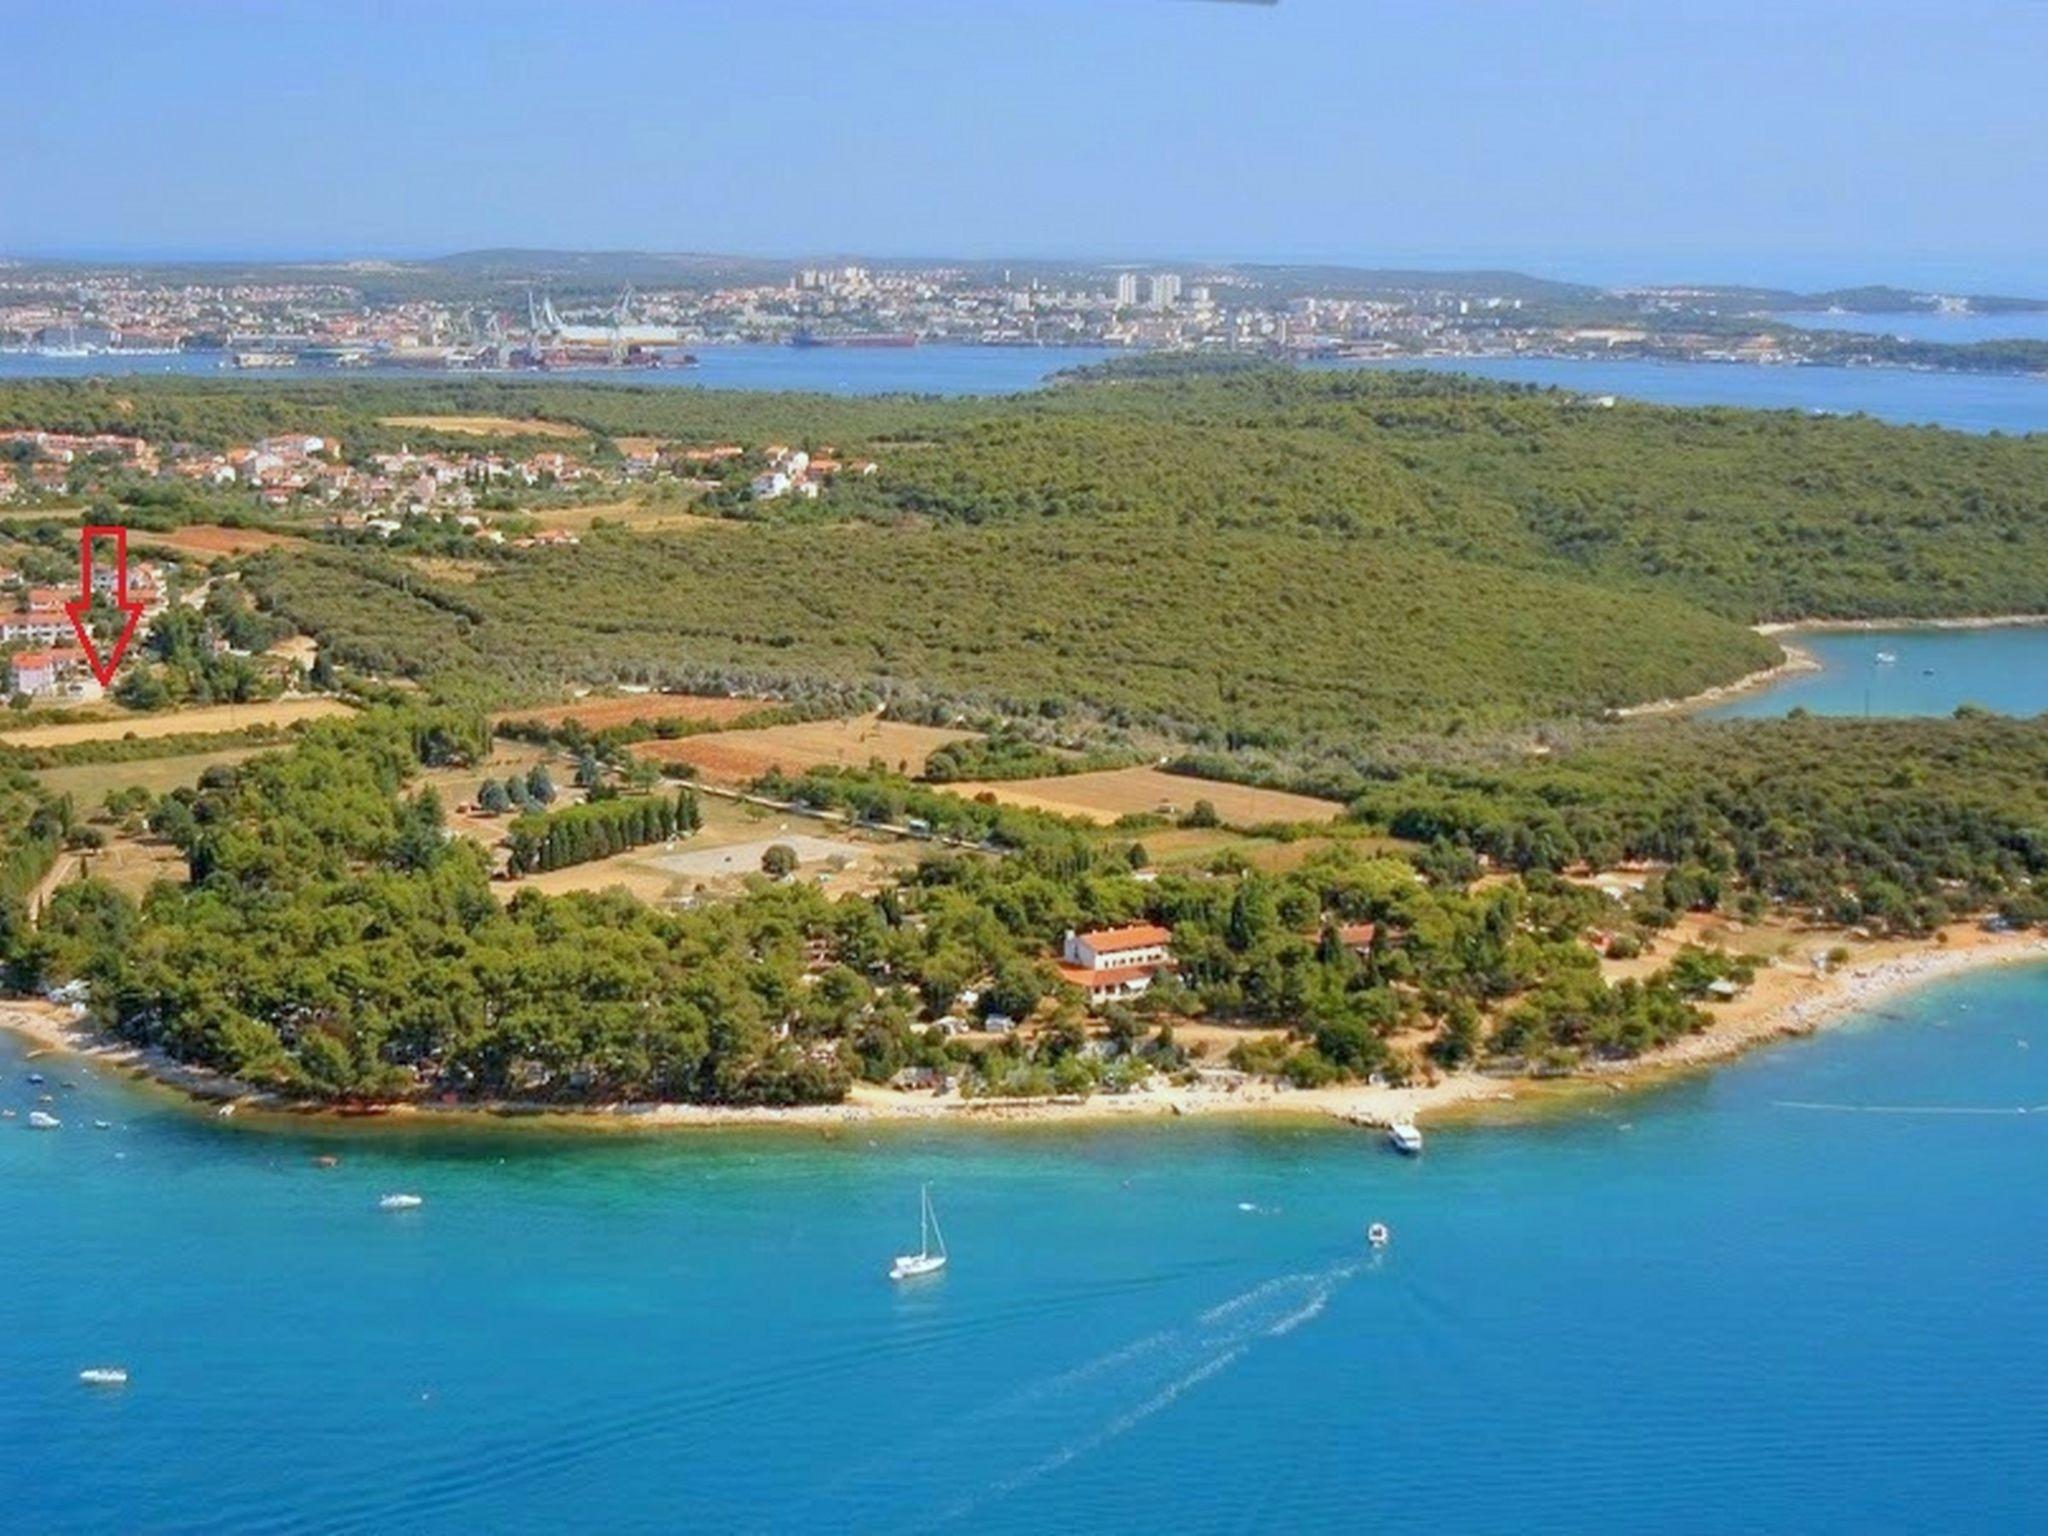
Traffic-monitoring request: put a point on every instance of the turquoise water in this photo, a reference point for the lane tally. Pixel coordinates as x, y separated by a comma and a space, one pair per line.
1936, 669
1705, 1309
1968, 402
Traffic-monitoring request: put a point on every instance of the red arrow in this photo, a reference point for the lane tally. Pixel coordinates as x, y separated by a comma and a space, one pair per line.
81, 605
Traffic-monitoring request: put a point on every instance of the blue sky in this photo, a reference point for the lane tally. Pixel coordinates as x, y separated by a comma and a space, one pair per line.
1806, 141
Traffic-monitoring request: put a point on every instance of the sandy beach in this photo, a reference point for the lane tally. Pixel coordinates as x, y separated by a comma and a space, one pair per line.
1795, 660
1788, 998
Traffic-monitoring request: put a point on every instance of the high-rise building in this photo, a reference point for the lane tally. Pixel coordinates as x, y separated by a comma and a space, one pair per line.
1126, 290
1165, 290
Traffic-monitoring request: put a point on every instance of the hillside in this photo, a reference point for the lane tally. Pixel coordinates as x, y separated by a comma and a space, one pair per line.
1224, 555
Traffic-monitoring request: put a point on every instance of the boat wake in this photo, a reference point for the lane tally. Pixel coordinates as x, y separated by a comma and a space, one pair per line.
1912, 1109
1056, 1420
1136, 1382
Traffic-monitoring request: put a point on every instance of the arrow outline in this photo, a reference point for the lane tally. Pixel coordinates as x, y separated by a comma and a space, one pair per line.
81, 605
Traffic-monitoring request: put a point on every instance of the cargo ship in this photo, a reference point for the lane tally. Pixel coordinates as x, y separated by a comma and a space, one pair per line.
861, 339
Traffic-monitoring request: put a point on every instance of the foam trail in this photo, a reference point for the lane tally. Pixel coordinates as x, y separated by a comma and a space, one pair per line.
1158, 1371
1912, 1109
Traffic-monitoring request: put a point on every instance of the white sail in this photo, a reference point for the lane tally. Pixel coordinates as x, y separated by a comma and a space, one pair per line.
909, 1266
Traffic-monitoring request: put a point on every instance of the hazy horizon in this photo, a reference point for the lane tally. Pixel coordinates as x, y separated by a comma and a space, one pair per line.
1953, 275
1807, 146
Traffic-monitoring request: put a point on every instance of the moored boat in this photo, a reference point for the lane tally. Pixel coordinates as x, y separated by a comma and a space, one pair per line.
909, 1266
1405, 1137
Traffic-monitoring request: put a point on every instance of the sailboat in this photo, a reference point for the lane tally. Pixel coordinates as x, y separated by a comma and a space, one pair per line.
909, 1266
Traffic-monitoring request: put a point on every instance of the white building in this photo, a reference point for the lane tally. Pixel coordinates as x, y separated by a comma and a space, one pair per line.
1165, 290
1113, 963
1127, 290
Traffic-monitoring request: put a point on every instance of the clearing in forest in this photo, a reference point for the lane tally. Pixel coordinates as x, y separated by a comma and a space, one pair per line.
601, 714
739, 757
1114, 792
208, 541
485, 426
208, 719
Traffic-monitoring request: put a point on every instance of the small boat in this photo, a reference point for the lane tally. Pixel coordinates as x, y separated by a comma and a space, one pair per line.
104, 1376
327, 1160
103, 1125
909, 1266
1405, 1137
36, 1077
1885, 658
1378, 1235
400, 1203
43, 1120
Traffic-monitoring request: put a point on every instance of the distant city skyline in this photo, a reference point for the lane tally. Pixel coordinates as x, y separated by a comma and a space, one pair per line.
1808, 145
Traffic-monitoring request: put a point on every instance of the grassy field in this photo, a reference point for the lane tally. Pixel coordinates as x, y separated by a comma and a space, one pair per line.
597, 714
634, 516
727, 850
90, 783
1103, 797
176, 722
739, 757
485, 426
458, 787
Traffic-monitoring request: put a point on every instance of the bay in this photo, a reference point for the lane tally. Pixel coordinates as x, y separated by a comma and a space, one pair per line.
1799, 1294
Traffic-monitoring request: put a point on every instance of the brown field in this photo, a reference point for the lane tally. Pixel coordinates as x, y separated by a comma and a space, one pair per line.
177, 722
208, 540
485, 426
598, 714
1103, 797
737, 757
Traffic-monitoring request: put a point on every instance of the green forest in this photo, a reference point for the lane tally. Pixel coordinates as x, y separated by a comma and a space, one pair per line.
1427, 596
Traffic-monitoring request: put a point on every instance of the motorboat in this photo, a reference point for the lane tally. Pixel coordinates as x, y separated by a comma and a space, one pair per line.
400, 1203
909, 1266
43, 1120
1405, 1137
104, 1376
1378, 1235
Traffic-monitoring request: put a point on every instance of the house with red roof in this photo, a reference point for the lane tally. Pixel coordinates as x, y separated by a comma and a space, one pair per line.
1111, 964
45, 672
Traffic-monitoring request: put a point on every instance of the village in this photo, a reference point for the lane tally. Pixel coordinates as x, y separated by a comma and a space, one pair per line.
377, 493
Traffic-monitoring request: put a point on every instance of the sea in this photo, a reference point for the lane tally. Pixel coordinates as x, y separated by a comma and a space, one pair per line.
1905, 672
1797, 1294
2009, 403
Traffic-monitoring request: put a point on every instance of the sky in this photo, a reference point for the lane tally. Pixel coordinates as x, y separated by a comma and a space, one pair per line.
1804, 142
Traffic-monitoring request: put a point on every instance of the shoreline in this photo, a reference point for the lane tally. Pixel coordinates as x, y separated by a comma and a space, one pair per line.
1798, 659
1794, 660
1784, 1002
1852, 626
